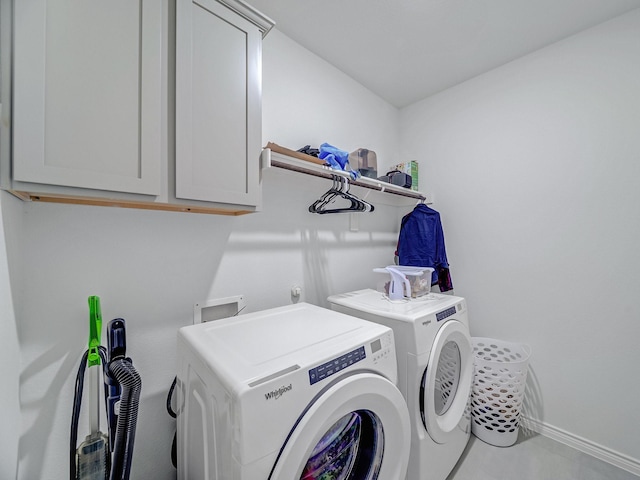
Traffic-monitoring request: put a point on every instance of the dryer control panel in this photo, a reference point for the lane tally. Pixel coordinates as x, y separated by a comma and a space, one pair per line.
374, 352
446, 313
337, 364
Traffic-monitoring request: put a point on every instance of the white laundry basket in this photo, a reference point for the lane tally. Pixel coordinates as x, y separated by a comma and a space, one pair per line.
500, 374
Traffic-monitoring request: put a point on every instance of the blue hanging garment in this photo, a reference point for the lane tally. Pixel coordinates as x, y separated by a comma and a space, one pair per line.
421, 244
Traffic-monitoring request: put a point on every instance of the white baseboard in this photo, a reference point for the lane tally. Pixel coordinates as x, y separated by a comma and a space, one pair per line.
620, 460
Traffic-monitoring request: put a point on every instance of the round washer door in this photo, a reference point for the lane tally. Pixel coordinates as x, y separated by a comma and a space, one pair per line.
356, 429
446, 382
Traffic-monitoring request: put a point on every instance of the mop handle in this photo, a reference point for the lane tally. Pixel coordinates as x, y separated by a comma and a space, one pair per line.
93, 362
94, 400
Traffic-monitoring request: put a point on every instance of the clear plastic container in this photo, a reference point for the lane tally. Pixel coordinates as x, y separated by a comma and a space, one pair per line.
418, 280
366, 161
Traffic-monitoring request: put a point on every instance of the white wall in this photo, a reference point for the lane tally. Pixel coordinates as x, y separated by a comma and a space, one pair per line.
535, 168
303, 106
151, 267
10, 229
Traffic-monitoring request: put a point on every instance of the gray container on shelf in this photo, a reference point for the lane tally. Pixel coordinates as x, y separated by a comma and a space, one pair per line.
365, 161
497, 394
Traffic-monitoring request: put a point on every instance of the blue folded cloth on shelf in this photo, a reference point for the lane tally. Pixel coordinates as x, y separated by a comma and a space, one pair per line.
336, 158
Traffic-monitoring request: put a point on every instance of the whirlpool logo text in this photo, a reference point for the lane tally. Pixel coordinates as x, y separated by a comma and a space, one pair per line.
276, 394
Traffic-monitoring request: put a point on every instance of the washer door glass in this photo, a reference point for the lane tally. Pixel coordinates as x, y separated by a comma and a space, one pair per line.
447, 377
356, 428
446, 382
351, 449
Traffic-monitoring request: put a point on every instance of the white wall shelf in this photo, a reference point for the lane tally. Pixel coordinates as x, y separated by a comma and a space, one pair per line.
279, 157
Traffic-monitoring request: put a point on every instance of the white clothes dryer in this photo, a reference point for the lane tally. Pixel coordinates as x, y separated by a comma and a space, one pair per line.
435, 363
296, 392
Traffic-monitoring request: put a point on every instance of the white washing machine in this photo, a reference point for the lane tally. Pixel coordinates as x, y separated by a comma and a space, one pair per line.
435, 363
296, 392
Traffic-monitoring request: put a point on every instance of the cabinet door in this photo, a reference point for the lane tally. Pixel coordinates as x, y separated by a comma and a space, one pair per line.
87, 94
218, 104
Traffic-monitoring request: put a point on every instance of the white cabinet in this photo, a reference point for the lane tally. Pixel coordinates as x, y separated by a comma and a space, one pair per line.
86, 109
218, 103
92, 114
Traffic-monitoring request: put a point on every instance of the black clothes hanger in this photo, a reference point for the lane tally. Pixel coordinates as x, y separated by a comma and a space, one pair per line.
326, 196
340, 189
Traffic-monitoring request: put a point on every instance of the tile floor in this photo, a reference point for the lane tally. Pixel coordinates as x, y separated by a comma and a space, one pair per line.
533, 457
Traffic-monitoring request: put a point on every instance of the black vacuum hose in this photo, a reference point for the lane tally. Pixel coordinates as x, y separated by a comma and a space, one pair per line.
131, 384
